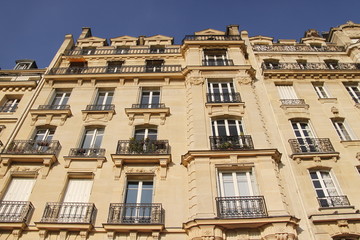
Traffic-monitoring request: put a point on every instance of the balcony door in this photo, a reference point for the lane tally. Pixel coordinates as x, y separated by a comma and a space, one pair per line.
286, 92
227, 127
103, 100
325, 188
145, 133
221, 91
150, 98
304, 136
42, 139
215, 57
60, 100
91, 142
138, 201
354, 92
236, 184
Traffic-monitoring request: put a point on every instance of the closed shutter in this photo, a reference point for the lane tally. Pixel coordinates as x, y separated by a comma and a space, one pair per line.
286, 92
19, 189
78, 190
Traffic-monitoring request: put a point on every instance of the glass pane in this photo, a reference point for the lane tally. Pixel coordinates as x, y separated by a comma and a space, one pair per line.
229, 189
109, 98
155, 98
100, 98
88, 138
152, 134
145, 98
243, 184
140, 134
221, 128
232, 128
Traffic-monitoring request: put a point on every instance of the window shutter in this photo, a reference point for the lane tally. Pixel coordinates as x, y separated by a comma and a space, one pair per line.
78, 190
286, 92
19, 189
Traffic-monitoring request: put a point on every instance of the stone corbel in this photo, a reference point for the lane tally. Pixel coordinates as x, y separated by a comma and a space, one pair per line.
47, 164
163, 168
162, 118
133, 235
110, 235
155, 235
5, 165
42, 234
67, 162
118, 166
131, 118
16, 233
63, 118
34, 118
84, 234
100, 163
63, 235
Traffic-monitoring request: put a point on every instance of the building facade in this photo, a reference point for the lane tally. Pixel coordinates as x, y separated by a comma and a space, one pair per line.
224, 136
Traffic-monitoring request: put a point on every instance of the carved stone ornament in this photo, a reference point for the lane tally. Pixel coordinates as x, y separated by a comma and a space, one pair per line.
195, 78
243, 79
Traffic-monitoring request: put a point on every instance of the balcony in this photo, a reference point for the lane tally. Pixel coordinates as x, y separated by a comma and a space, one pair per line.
296, 48
219, 62
105, 107
87, 152
121, 51
132, 213
313, 148
69, 212
212, 38
54, 107
241, 207
137, 147
241, 142
333, 201
33, 147
103, 112
15, 211
223, 97
148, 113
311, 66
122, 70
295, 102
144, 106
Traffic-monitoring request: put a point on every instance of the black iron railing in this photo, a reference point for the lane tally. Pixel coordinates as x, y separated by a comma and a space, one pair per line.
333, 201
218, 62
147, 146
132, 213
87, 152
104, 107
11, 108
223, 97
241, 207
54, 107
311, 145
15, 211
212, 38
121, 51
69, 212
152, 105
311, 66
241, 142
292, 102
33, 147
122, 69
296, 48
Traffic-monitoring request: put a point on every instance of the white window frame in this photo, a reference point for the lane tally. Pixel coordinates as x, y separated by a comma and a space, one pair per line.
321, 90
146, 131
151, 98
354, 91
343, 130
251, 183
229, 87
139, 190
64, 97
324, 188
286, 92
94, 136
48, 135
11, 104
208, 57
238, 123
15, 186
109, 94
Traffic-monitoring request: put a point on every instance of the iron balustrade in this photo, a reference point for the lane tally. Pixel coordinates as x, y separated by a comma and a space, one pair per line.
152, 105
241, 207
292, 101
69, 212
87, 152
212, 38
109, 70
311, 145
33, 147
103, 107
54, 107
133, 213
296, 48
240, 142
9, 108
218, 62
15, 211
146, 146
311, 66
333, 201
357, 100
121, 51
223, 97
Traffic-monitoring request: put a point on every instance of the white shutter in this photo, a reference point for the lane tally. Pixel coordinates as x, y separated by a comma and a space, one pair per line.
78, 190
286, 92
19, 189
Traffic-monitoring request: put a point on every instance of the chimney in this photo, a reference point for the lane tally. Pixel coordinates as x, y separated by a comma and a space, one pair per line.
141, 40
86, 32
232, 30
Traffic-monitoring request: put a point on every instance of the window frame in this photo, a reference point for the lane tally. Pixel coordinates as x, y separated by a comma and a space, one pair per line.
321, 90
238, 124
93, 138
252, 187
343, 129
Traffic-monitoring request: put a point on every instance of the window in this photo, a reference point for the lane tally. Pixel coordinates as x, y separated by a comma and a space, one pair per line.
22, 66
221, 91
235, 184
157, 49
302, 64
227, 127
332, 64
92, 138
271, 64
286, 92
19, 189
154, 65
10, 104
327, 190
88, 50
354, 91
114, 66
103, 101
321, 90
150, 98
145, 133
304, 136
76, 67
215, 57
60, 100
44, 134
78, 190
342, 130
122, 50
42, 140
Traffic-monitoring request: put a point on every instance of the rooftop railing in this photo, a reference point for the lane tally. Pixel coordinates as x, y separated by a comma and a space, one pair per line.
121, 51
212, 38
146, 146
333, 201
223, 97
87, 152
241, 207
296, 48
241, 142
33, 147
311, 145
311, 66
15, 211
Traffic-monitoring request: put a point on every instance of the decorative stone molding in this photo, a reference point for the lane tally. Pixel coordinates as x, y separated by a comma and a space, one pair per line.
97, 116
49, 117
147, 115
195, 78
214, 109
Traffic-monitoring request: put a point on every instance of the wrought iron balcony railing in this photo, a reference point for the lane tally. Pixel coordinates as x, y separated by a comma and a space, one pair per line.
241, 207
33, 147
87, 152
219, 62
311, 145
110, 70
333, 201
104, 107
223, 97
54, 107
241, 142
153, 105
8, 108
212, 38
147, 146
292, 102
356, 100
132, 213
121, 51
296, 48
69, 212
311, 66
15, 211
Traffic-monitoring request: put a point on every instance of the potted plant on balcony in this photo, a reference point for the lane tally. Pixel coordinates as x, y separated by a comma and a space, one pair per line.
135, 146
226, 146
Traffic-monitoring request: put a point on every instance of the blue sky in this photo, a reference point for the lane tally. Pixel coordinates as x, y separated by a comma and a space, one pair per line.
35, 29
